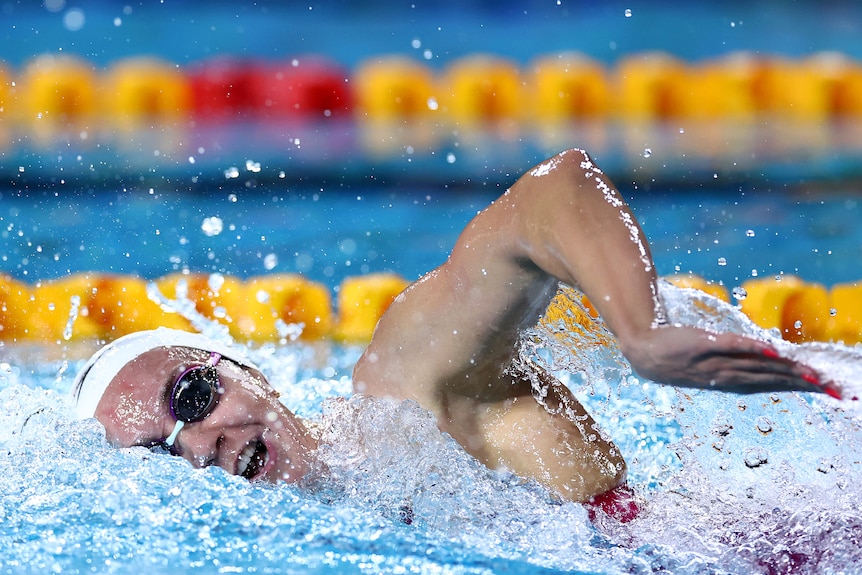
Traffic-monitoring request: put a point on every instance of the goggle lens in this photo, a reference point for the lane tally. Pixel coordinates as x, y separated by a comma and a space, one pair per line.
195, 394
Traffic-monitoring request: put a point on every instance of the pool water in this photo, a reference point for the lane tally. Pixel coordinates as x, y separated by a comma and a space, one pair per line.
730, 484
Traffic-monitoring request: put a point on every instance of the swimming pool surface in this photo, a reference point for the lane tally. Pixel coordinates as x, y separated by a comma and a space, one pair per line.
756, 484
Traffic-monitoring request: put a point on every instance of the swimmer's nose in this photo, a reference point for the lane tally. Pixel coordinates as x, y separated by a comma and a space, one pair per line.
198, 446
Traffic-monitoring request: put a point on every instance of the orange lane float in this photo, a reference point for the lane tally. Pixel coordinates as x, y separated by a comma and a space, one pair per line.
394, 89
797, 309
287, 307
845, 313
397, 105
653, 87
569, 87
16, 309
59, 90
696, 282
146, 91
477, 91
362, 301
482, 90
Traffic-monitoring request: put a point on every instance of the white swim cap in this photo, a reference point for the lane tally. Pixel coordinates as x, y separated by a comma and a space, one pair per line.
94, 378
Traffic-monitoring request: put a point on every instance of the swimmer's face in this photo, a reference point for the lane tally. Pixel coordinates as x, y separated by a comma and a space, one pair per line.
248, 432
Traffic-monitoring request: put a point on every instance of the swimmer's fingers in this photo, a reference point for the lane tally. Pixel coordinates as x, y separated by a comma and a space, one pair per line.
752, 365
691, 357
752, 375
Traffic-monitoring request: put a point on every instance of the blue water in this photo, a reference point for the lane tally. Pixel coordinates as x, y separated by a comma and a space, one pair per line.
761, 484
331, 231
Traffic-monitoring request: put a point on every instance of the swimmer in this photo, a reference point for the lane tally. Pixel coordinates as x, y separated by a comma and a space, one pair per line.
449, 342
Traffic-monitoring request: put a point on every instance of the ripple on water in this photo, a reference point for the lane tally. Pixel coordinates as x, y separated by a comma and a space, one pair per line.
401, 496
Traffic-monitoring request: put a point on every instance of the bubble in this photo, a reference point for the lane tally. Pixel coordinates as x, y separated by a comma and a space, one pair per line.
797, 324
628, 13
764, 425
450, 158
739, 293
833, 312
270, 261
54, 5
74, 19
755, 457
722, 261
215, 282
231, 172
749, 233
647, 152
212, 226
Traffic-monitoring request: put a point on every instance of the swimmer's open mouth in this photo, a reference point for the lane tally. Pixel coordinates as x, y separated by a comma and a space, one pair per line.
252, 459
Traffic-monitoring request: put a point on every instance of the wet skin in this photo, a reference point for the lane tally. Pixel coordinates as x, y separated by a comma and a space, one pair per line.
449, 342
249, 430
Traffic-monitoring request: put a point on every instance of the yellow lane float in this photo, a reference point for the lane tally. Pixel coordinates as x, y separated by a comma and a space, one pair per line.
145, 91
482, 90
394, 88
696, 282
569, 87
288, 307
58, 90
797, 309
845, 313
653, 87
274, 304
362, 301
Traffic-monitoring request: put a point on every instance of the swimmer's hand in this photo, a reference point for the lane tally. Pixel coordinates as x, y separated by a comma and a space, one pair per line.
690, 357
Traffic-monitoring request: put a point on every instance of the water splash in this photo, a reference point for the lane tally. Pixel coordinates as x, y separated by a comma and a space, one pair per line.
403, 496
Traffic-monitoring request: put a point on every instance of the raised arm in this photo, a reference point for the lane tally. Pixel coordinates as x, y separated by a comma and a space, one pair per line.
449, 340
575, 226
563, 220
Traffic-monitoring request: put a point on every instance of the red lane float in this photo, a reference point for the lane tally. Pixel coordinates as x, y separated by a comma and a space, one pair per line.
241, 90
481, 90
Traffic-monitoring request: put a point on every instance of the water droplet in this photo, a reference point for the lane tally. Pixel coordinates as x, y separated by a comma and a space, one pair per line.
764, 425
212, 226
647, 152
270, 261
628, 13
739, 293
749, 233
215, 282
755, 457
797, 324
833, 312
722, 261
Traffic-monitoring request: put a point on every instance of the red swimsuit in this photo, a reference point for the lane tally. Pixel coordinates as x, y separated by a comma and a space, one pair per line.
619, 503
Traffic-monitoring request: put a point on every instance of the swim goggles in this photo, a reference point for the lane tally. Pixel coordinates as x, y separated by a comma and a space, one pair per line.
194, 395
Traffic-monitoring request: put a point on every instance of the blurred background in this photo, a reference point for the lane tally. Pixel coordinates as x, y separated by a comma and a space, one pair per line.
443, 91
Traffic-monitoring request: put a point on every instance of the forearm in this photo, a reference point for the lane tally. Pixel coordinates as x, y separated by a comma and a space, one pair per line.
574, 225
